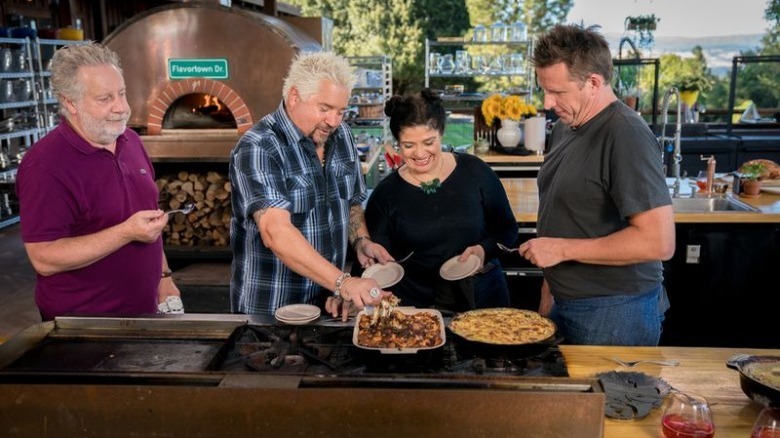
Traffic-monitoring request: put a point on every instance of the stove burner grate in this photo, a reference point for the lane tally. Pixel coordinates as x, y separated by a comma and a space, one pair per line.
317, 350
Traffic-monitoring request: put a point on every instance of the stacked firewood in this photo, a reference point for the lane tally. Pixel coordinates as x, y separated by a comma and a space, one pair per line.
209, 223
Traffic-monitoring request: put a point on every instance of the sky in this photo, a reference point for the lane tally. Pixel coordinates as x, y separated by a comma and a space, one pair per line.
680, 18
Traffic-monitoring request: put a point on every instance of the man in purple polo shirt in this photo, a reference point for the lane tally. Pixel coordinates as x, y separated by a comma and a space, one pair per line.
88, 199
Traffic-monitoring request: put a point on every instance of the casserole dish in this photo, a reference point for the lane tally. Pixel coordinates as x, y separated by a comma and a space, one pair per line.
405, 311
759, 377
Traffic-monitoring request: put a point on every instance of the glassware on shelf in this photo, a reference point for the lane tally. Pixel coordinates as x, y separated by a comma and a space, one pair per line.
515, 63
434, 62
478, 64
446, 64
496, 65
498, 32
517, 31
462, 62
480, 34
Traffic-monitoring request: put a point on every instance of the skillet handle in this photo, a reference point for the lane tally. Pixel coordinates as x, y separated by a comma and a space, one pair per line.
735, 362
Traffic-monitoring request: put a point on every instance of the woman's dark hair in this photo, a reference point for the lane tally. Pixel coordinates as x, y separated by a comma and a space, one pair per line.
423, 108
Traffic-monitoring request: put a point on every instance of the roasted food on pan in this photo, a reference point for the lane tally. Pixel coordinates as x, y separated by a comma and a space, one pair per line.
505, 326
401, 330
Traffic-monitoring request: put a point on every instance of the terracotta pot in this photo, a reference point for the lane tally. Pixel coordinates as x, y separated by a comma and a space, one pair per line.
750, 187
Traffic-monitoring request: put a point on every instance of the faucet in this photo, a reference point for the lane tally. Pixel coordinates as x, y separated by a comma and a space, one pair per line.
677, 154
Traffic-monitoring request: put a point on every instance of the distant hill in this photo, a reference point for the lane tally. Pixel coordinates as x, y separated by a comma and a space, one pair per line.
719, 50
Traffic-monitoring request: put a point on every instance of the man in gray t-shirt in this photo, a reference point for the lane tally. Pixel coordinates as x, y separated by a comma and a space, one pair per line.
605, 219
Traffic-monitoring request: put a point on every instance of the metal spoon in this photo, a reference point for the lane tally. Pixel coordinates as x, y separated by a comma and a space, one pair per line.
503, 247
187, 209
405, 258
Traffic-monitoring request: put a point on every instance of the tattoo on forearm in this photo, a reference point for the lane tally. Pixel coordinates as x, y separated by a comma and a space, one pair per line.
356, 221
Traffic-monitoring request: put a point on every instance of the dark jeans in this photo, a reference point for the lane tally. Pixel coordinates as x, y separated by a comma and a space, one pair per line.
612, 320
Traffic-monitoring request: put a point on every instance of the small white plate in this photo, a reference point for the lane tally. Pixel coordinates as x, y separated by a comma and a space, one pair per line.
385, 275
297, 313
453, 269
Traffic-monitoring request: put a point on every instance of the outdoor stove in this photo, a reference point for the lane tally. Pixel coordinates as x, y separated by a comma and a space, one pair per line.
328, 351
240, 375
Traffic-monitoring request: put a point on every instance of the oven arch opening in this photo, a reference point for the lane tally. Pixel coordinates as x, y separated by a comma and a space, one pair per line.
173, 90
198, 111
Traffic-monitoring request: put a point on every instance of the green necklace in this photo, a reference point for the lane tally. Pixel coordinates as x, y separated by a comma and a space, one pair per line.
432, 186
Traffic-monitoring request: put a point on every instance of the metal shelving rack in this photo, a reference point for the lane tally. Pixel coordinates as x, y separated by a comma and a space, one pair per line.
383, 65
526, 77
15, 141
45, 98
639, 62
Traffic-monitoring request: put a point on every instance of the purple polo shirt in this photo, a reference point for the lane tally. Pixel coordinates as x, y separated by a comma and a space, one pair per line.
68, 188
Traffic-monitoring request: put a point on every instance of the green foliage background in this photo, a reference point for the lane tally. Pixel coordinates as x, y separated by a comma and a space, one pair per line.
398, 28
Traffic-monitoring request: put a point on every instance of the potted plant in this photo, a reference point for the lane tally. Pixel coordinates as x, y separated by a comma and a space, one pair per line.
749, 174
690, 85
644, 26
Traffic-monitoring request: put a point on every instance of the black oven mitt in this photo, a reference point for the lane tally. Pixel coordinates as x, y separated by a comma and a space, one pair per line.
631, 395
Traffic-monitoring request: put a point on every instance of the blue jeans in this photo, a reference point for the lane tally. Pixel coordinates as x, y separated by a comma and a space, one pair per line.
612, 320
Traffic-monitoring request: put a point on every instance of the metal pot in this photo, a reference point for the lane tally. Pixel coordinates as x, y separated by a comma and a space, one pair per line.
758, 390
7, 125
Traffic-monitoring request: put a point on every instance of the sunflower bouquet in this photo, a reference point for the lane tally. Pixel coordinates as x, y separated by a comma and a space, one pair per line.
509, 107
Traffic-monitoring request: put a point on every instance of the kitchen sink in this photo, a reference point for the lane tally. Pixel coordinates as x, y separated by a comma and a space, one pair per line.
711, 205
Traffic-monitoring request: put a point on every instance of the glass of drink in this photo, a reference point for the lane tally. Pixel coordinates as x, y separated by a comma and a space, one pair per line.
701, 180
767, 424
687, 415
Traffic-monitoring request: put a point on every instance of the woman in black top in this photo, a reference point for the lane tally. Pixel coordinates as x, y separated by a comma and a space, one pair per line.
439, 205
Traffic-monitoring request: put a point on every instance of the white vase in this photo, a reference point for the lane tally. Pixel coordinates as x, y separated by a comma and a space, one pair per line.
509, 134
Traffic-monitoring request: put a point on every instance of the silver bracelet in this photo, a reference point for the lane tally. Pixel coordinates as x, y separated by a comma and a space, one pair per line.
340, 282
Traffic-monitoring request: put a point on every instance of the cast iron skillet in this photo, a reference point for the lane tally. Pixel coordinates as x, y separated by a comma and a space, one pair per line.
751, 386
466, 347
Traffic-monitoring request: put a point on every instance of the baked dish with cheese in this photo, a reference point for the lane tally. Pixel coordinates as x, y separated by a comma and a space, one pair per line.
503, 326
404, 329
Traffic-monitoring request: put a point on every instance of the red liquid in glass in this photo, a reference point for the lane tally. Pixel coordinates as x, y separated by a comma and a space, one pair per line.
765, 432
675, 426
702, 184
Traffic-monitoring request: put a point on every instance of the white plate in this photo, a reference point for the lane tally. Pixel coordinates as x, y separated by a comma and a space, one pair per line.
297, 313
386, 275
453, 270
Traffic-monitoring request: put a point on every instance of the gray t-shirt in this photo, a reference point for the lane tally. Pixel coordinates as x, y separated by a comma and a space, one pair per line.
593, 178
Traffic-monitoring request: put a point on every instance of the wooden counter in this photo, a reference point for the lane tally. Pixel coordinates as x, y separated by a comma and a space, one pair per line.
493, 158
524, 199
701, 370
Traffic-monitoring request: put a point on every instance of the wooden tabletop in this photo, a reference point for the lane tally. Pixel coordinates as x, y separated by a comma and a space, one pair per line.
524, 199
701, 370
493, 157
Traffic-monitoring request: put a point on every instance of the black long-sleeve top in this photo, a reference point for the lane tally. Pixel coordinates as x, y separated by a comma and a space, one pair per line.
470, 207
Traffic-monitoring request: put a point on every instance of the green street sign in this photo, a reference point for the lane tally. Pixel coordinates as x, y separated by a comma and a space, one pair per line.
197, 68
